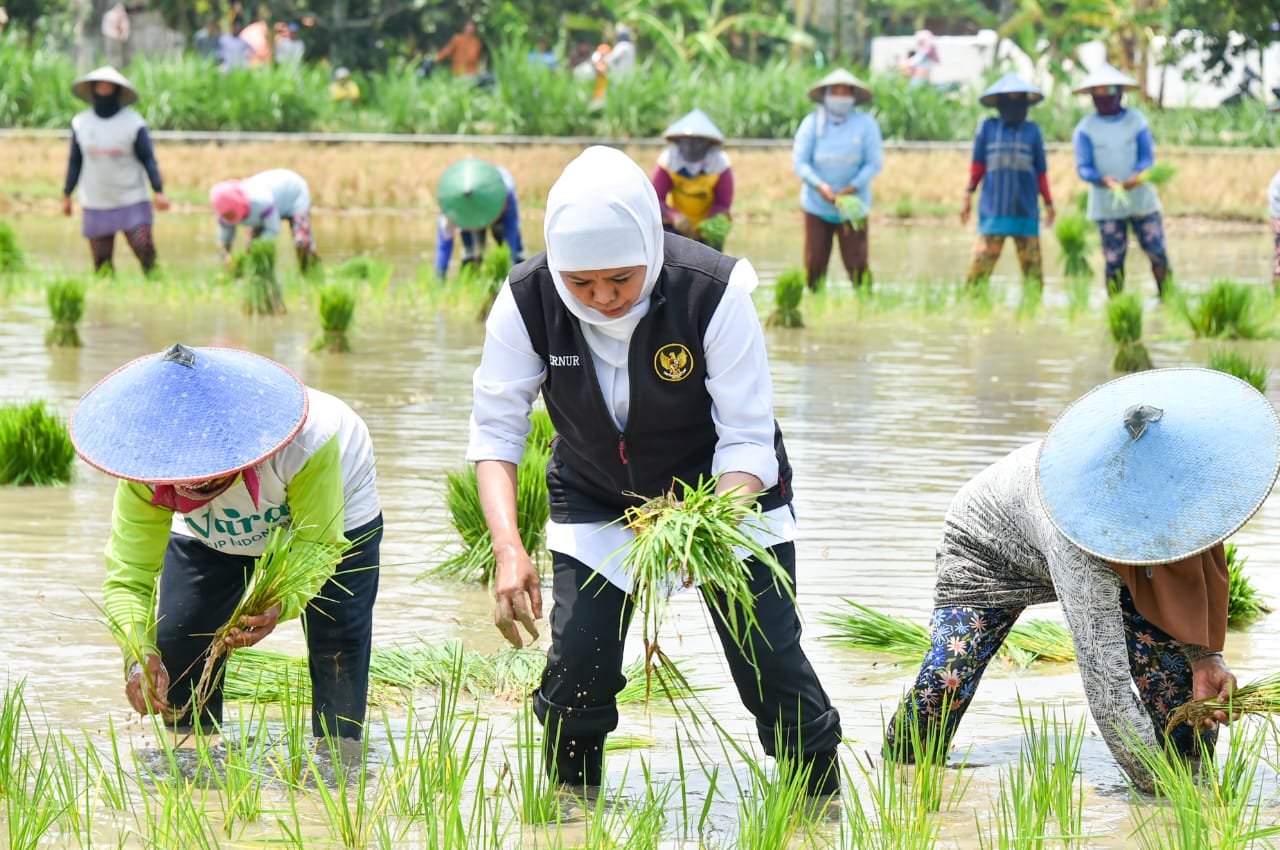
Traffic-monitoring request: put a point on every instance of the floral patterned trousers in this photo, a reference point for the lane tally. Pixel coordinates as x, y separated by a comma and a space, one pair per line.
1115, 244
964, 640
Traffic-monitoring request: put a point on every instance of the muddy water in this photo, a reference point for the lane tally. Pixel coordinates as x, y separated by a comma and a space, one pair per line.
885, 418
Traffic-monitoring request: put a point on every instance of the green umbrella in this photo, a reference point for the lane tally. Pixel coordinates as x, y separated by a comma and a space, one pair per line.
472, 194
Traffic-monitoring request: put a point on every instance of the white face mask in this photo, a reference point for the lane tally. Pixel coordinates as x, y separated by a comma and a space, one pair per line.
839, 105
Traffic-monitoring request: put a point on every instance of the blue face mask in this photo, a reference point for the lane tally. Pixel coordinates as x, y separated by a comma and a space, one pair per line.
840, 106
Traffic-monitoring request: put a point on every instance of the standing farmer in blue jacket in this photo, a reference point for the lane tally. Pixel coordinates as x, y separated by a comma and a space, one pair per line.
836, 154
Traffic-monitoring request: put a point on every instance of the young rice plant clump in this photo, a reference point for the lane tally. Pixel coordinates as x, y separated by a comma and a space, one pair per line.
788, 291
66, 305
1072, 230
11, 255
35, 446
1227, 310
1244, 603
337, 307
1243, 367
256, 267
1124, 317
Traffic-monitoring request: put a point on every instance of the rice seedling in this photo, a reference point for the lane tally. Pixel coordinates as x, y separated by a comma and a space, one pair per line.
255, 267
1079, 290
870, 630
1244, 603
1071, 230
1119, 195
475, 561
689, 539
852, 210
1017, 820
349, 811
241, 779
492, 271
11, 254
1124, 318
1228, 310
1032, 295
788, 291
773, 811
715, 230
65, 297
1050, 757
35, 446
32, 805
1242, 366
536, 798
1261, 697
179, 817
337, 307
1160, 174
286, 573
371, 270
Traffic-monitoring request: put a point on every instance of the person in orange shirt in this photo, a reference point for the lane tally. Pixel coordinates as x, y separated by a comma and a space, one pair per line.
463, 51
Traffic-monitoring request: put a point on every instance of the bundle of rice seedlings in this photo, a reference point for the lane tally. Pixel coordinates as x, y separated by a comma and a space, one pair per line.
1226, 310
1260, 697
12, 258
870, 630
1072, 231
475, 561
1124, 317
715, 230
337, 307
1119, 194
66, 305
35, 446
366, 268
288, 569
788, 292
852, 210
1160, 173
1245, 368
256, 267
1032, 296
1244, 603
687, 538
494, 267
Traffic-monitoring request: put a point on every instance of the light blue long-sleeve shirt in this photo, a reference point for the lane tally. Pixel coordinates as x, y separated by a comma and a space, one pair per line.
846, 154
1118, 146
273, 195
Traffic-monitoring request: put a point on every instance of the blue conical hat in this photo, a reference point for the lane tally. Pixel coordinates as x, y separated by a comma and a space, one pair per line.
1011, 83
188, 414
695, 125
1105, 75
1158, 466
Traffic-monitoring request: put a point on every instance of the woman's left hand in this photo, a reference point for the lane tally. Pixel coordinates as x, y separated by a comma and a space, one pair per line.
253, 629
1212, 679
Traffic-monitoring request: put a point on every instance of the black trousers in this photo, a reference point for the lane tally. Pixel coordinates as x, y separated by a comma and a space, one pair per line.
577, 697
199, 589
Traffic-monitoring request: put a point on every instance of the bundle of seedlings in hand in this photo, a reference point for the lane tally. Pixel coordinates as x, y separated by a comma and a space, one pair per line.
1226, 310
688, 539
35, 446
462, 499
1159, 174
66, 306
715, 230
256, 268
289, 569
1258, 697
1244, 603
852, 210
1072, 231
337, 306
1124, 316
788, 291
1119, 195
1245, 368
11, 257
495, 265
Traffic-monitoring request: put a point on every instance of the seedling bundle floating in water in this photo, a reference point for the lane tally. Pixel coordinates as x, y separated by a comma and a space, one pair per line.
256, 267
11, 256
66, 305
1124, 317
35, 446
1071, 230
788, 293
687, 538
337, 307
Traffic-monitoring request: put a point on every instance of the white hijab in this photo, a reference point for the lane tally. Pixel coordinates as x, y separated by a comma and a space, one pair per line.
603, 214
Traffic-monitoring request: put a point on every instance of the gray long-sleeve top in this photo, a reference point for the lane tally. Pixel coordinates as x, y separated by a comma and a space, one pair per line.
1000, 550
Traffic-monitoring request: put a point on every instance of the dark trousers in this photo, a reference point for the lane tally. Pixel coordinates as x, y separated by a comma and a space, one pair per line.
818, 234
577, 698
199, 589
139, 238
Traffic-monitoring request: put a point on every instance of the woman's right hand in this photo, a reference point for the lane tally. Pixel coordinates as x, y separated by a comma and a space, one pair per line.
825, 191
66, 205
517, 595
148, 687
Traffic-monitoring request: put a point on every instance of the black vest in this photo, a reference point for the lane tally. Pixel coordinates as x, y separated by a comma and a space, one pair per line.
595, 471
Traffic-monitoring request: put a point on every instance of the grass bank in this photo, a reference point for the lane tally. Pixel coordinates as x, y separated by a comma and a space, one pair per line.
915, 183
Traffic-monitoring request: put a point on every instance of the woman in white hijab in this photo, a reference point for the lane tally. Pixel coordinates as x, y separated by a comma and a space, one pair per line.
649, 355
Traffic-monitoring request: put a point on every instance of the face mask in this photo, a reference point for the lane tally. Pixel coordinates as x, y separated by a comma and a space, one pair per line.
839, 105
1012, 111
106, 105
1107, 104
693, 150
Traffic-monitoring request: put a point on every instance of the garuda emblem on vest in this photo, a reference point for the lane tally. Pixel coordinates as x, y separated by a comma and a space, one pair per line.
673, 362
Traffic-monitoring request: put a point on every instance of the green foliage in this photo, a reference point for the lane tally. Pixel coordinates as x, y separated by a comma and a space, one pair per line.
337, 307
1245, 368
1244, 603
715, 230
788, 291
365, 268
1227, 311
1160, 174
65, 297
1072, 231
1124, 317
256, 267
35, 446
11, 255
475, 562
